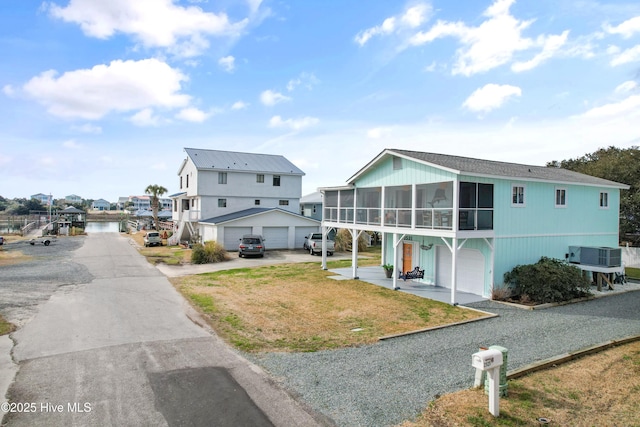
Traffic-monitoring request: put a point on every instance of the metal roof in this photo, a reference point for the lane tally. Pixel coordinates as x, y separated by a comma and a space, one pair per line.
243, 162
490, 168
249, 212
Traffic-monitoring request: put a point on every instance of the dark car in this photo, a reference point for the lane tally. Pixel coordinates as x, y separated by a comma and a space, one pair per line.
251, 244
1, 240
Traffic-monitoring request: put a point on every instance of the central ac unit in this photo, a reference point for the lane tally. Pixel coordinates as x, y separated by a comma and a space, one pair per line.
600, 256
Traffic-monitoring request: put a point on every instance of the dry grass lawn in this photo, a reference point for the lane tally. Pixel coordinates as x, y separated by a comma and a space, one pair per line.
172, 255
12, 257
597, 390
296, 307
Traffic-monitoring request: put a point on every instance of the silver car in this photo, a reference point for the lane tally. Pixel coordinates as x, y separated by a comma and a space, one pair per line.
251, 244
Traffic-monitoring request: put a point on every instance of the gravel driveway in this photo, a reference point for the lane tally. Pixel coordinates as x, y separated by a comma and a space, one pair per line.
25, 285
391, 381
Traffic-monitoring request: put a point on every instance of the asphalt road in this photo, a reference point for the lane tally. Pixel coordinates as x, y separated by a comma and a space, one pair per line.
108, 341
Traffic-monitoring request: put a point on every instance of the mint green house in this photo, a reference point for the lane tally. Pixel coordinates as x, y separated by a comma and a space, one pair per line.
467, 221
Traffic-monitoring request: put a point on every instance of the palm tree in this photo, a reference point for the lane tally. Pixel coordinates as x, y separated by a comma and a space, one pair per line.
155, 191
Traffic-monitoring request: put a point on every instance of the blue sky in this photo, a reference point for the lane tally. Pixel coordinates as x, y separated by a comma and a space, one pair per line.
99, 98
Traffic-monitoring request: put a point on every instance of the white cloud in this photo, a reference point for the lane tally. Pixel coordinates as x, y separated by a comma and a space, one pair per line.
271, 98
307, 80
493, 43
72, 144
192, 114
145, 117
154, 23
8, 90
629, 106
120, 86
87, 128
626, 29
490, 97
551, 45
625, 87
239, 105
379, 132
626, 56
411, 18
227, 63
293, 124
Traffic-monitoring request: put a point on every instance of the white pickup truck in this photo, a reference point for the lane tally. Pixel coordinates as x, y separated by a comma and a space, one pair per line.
313, 243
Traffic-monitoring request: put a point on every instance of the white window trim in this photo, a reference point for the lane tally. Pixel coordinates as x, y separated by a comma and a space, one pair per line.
524, 196
555, 197
600, 200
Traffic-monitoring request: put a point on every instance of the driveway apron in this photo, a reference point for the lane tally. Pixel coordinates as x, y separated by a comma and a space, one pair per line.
125, 349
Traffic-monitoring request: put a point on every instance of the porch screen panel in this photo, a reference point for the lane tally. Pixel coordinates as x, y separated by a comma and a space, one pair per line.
368, 205
346, 205
331, 205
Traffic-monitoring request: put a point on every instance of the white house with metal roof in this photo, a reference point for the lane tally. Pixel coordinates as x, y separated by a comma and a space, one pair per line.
467, 221
225, 194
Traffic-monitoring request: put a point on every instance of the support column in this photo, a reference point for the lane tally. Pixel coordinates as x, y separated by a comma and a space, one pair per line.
324, 248
354, 252
395, 261
454, 264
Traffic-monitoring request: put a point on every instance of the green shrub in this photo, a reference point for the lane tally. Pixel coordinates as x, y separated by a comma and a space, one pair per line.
548, 280
207, 253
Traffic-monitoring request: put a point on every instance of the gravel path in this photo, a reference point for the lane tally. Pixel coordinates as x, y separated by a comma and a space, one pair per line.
392, 381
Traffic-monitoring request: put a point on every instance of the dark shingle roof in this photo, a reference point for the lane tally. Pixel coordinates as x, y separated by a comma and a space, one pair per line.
244, 162
471, 166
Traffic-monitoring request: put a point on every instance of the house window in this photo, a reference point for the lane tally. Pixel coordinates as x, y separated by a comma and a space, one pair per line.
284, 203
517, 195
222, 177
260, 178
175, 206
257, 202
222, 203
187, 181
397, 163
193, 203
276, 180
604, 200
181, 182
561, 197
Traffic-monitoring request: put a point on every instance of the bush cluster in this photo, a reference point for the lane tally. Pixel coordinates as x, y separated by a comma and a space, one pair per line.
207, 253
343, 241
548, 280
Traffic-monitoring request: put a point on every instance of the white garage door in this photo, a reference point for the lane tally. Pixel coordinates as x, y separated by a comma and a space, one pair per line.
301, 233
470, 271
232, 236
276, 237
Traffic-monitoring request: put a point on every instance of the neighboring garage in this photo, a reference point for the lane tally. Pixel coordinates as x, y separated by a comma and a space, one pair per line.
470, 270
281, 229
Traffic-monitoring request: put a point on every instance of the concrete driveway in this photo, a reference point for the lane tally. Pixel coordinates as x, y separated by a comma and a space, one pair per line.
126, 349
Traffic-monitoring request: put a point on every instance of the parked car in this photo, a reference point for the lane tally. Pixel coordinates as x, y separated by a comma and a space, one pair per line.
313, 244
152, 238
251, 244
1, 240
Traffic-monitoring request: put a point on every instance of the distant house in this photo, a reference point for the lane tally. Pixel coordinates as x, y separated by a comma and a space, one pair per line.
100, 205
227, 194
311, 205
73, 199
42, 198
467, 221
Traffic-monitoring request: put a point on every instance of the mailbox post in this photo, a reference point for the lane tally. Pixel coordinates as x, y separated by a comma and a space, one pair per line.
490, 361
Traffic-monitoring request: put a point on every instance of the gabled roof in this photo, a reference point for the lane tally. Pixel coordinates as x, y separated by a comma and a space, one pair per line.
241, 162
489, 168
71, 210
250, 212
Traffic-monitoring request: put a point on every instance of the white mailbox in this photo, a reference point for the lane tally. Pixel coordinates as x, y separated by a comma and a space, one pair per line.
487, 359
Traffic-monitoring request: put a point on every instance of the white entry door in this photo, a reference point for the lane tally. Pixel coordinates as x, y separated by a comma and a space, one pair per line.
470, 270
